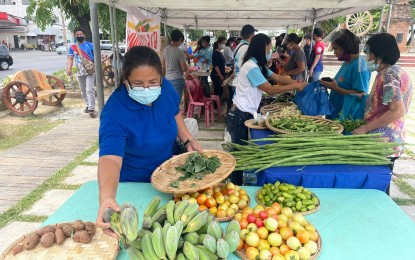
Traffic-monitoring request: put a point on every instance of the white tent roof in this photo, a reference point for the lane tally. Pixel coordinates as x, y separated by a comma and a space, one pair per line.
262, 14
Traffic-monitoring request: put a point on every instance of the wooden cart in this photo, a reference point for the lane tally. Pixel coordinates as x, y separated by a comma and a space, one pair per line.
22, 95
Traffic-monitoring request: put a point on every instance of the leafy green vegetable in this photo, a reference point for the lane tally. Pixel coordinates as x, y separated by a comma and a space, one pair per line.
197, 166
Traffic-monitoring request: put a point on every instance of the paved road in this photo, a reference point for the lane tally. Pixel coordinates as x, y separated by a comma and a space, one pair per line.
46, 62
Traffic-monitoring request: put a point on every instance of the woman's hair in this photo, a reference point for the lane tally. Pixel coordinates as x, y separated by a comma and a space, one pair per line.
199, 44
216, 44
221, 39
279, 39
346, 40
384, 46
176, 36
206, 38
293, 37
256, 50
139, 56
229, 41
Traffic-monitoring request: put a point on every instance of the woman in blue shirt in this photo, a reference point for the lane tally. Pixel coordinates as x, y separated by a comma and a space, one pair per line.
139, 124
351, 82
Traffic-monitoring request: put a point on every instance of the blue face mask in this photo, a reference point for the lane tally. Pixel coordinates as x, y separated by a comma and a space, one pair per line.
372, 66
269, 54
145, 96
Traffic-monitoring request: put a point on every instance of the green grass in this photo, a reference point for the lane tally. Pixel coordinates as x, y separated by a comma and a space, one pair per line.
31, 218
14, 212
404, 202
64, 186
407, 176
405, 187
25, 132
410, 153
89, 163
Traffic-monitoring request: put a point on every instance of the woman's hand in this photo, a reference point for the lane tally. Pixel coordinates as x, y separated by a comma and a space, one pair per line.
106, 227
193, 146
301, 85
225, 82
327, 84
360, 130
221, 78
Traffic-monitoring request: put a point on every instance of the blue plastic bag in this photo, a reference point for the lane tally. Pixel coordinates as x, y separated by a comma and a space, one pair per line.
313, 100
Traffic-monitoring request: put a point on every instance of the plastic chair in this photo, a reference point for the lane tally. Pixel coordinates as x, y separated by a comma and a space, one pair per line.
207, 104
216, 99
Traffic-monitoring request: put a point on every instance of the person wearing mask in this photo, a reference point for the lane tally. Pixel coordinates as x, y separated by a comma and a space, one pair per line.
139, 124
250, 84
391, 93
315, 67
247, 32
174, 62
83, 50
296, 66
199, 51
218, 72
207, 57
351, 83
307, 47
228, 52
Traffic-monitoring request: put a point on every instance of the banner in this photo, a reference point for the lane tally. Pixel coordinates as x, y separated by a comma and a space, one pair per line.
143, 29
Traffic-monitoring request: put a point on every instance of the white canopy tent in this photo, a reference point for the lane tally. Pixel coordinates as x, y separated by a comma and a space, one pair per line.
233, 14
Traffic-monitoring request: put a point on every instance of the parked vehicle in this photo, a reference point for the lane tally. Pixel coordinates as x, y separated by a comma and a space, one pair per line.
105, 45
61, 49
6, 59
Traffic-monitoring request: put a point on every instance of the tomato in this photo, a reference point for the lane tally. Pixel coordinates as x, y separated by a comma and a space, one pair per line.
230, 212
263, 245
243, 223
210, 202
234, 207
242, 204
252, 253
201, 199
303, 236
274, 250
252, 239
221, 213
252, 227
278, 257
282, 223
277, 207
251, 218
259, 223
275, 239
271, 211
230, 186
265, 254
240, 245
248, 210
244, 197
313, 236
243, 233
238, 216
286, 232
284, 249
292, 255
217, 194
293, 243
220, 199
213, 211
263, 215
223, 206
262, 233
202, 207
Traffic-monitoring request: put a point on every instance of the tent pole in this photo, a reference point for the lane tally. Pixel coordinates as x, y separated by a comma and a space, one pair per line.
165, 29
389, 16
381, 19
117, 50
97, 54
114, 54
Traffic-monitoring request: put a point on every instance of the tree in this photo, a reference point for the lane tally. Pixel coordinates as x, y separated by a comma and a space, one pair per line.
195, 35
218, 34
104, 22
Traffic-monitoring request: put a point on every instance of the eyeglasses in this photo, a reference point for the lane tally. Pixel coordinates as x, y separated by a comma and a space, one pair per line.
142, 88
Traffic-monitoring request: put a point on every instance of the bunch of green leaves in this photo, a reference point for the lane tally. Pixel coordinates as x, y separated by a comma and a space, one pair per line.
350, 124
198, 165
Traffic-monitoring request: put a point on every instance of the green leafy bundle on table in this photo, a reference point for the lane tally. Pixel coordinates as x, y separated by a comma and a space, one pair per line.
351, 124
197, 165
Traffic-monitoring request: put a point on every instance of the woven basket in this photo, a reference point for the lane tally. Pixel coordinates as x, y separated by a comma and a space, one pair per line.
302, 213
166, 173
274, 107
316, 119
101, 247
241, 254
249, 123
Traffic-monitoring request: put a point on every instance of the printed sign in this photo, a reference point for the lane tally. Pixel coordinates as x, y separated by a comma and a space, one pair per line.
143, 29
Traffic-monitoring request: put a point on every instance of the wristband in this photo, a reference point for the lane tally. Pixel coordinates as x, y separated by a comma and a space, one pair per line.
187, 142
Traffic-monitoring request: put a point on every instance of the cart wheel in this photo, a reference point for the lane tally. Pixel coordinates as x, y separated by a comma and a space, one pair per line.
55, 99
108, 75
20, 98
359, 23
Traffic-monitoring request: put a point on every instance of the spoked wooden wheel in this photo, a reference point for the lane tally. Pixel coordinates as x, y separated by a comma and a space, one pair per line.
20, 98
108, 75
55, 99
359, 23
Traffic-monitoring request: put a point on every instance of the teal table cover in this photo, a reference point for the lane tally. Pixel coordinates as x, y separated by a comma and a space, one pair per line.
353, 223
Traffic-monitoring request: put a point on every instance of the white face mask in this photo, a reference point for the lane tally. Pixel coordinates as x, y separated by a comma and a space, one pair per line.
372, 65
222, 46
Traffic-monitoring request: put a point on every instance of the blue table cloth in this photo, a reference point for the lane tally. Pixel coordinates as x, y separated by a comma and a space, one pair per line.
330, 176
353, 224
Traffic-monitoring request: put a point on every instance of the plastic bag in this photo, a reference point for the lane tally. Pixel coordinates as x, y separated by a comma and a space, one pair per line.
314, 100
353, 107
192, 126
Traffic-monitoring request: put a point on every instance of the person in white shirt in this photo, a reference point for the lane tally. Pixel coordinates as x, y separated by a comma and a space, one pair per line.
251, 82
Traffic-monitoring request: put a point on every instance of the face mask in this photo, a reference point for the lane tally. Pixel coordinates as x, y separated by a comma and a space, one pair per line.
145, 96
344, 57
268, 57
80, 39
372, 66
222, 46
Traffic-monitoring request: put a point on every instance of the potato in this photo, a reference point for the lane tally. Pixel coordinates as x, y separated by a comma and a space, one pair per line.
17, 249
90, 228
31, 241
81, 236
45, 230
59, 236
67, 229
78, 225
48, 239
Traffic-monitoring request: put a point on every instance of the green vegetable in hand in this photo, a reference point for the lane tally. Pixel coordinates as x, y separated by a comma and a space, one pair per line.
198, 165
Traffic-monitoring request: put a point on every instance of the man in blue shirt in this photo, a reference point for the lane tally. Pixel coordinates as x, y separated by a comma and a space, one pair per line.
83, 50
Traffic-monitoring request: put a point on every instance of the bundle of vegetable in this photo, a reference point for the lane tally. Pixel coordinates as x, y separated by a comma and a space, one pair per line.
351, 124
313, 149
181, 231
303, 124
123, 223
197, 165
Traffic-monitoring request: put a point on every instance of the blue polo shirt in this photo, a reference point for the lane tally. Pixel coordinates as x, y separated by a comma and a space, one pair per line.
142, 135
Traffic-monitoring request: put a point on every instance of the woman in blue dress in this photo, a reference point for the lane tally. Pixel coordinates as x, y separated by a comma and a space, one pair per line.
351, 83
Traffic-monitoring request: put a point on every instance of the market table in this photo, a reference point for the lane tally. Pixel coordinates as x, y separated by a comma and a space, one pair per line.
330, 176
353, 224
200, 73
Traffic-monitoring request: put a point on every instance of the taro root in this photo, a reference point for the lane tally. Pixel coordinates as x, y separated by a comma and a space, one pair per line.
59, 236
81, 236
45, 230
78, 225
67, 229
17, 249
90, 228
48, 239
31, 241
